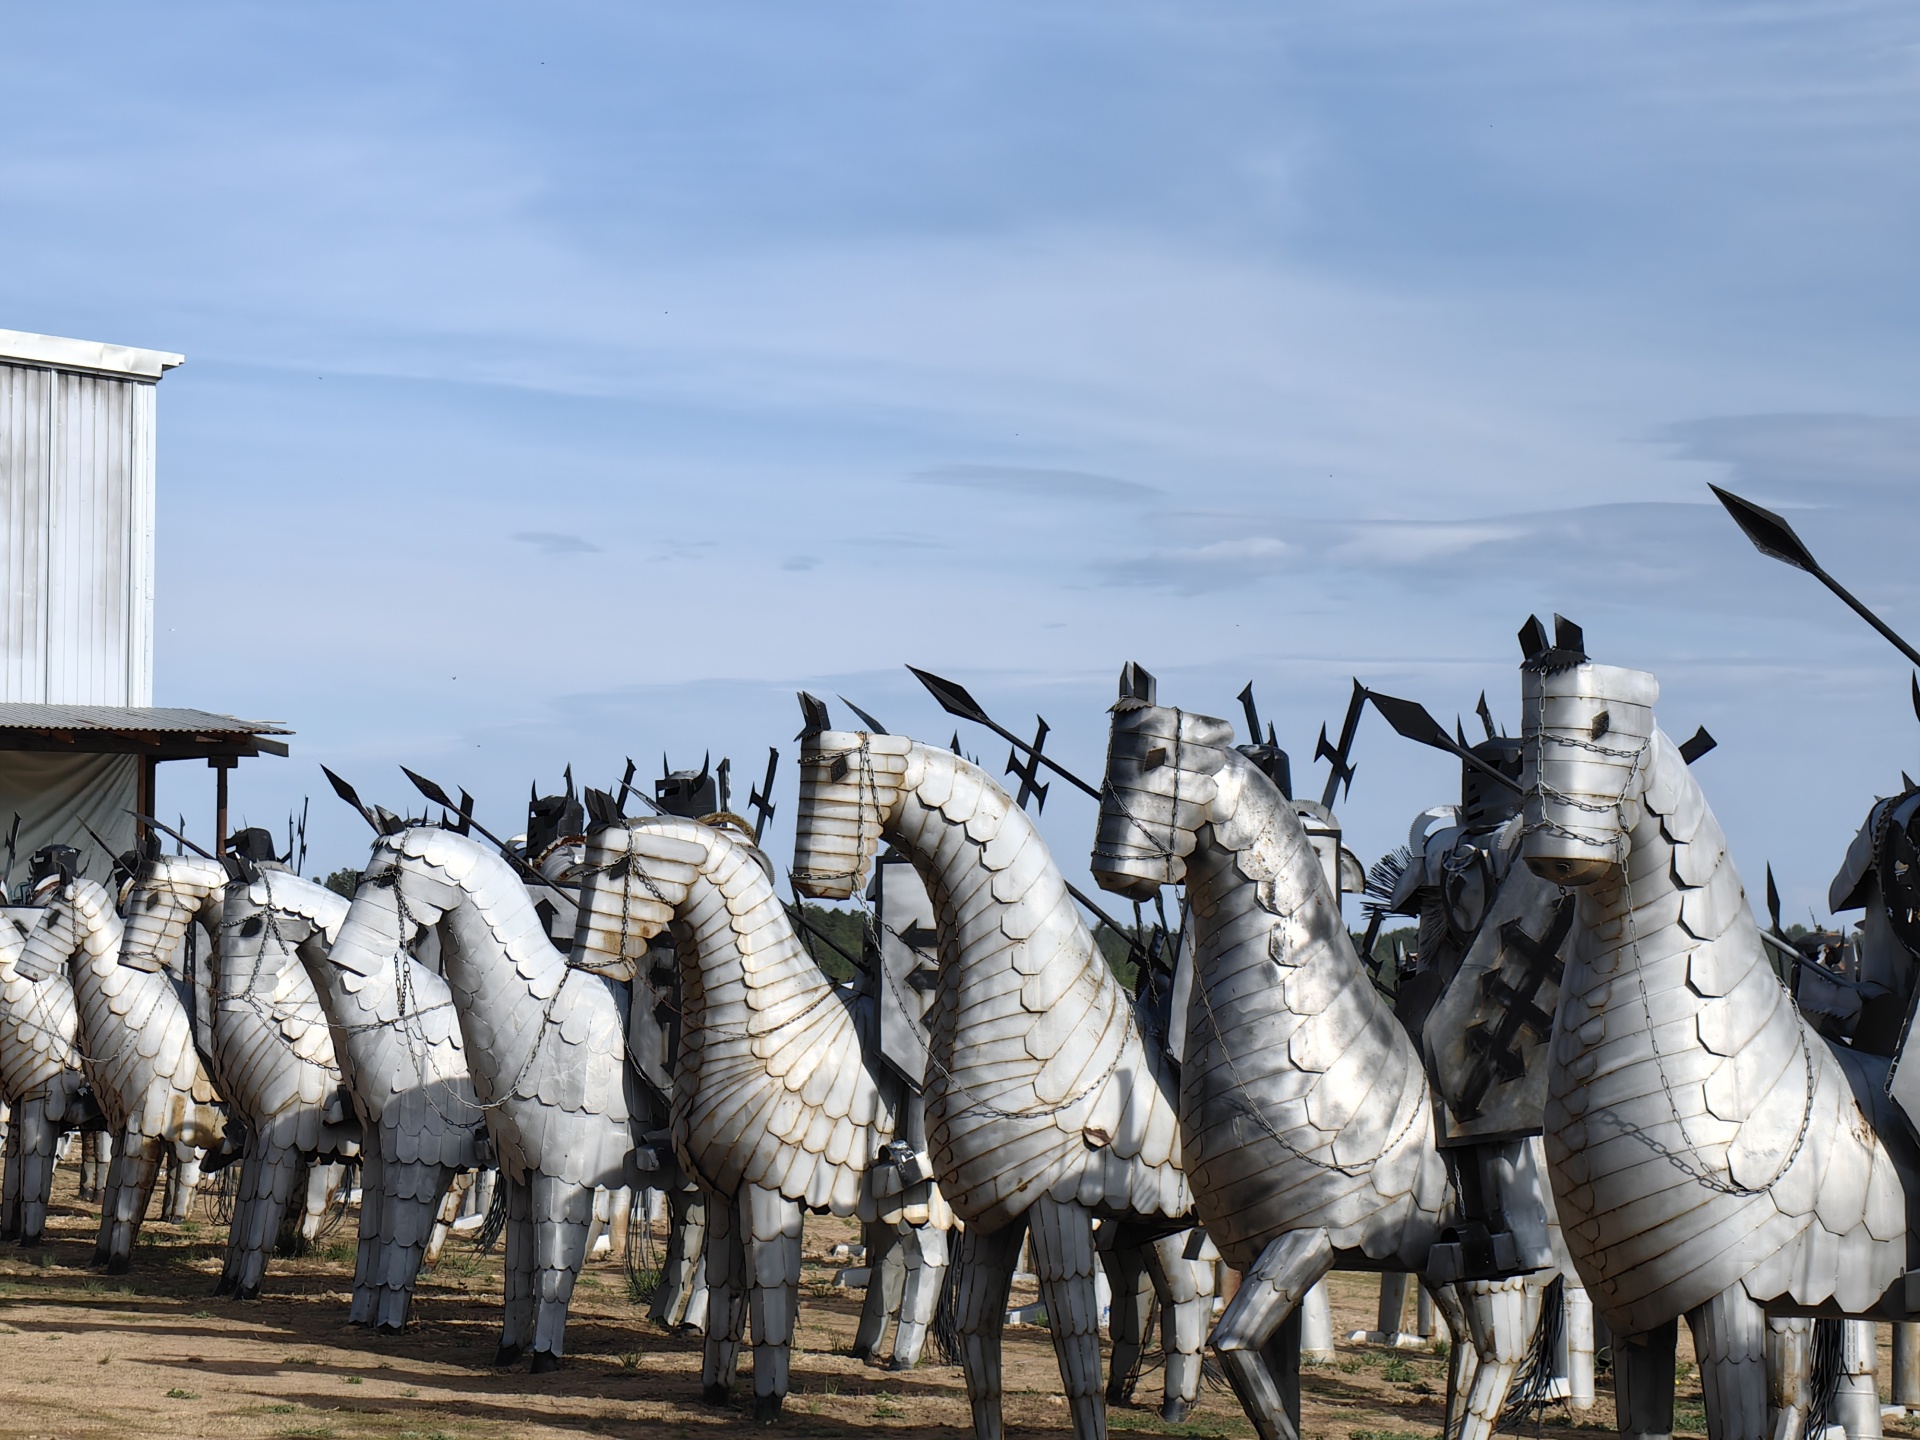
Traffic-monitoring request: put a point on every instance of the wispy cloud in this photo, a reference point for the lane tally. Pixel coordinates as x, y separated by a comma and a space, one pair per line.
1035, 482
557, 542
1804, 457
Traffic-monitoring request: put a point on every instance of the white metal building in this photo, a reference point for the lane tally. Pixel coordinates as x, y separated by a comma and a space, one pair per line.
78, 735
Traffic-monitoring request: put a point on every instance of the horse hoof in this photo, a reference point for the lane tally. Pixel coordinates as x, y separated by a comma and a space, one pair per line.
1116, 1396
1175, 1410
31, 1242
766, 1409
545, 1362
246, 1292
899, 1363
863, 1353
714, 1394
225, 1287
506, 1355
119, 1265
390, 1330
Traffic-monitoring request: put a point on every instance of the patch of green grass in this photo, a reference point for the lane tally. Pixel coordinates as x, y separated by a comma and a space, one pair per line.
1398, 1371
178, 1394
642, 1286
885, 1409
1200, 1427
282, 1409
355, 1380
1388, 1435
630, 1360
307, 1432
338, 1252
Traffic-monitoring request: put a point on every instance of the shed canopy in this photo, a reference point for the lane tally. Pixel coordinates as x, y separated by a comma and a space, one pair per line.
164, 732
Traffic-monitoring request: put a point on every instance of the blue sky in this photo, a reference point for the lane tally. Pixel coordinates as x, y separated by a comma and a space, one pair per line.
571, 384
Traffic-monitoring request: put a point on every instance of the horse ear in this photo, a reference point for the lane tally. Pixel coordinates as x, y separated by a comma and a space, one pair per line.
1569, 640
1137, 684
1533, 638
813, 712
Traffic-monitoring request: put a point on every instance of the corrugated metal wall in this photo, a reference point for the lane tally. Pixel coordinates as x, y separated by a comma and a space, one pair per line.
76, 504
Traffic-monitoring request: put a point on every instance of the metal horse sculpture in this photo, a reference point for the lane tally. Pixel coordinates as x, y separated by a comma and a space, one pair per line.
779, 1101
398, 1043
1304, 1108
545, 1041
1045, 1106
1712, 1155
40, 1076
136, 1047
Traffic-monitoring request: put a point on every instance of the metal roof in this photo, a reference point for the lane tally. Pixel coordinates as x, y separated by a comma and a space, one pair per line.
164, 731
64, 354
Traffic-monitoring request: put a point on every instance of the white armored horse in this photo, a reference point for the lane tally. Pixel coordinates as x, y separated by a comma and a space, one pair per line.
1306, 1114
1045, 1106
40, 1074
398, 1043
545, 1043
1712, 1155
779, 1101
269, 1048
136, 1047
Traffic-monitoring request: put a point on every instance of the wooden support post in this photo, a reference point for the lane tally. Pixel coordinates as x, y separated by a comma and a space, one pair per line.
144, 800
221, 765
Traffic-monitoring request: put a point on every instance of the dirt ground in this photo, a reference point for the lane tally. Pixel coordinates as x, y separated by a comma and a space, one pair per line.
152, 1353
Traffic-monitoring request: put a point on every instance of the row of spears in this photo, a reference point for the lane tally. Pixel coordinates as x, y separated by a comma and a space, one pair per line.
1592, 1089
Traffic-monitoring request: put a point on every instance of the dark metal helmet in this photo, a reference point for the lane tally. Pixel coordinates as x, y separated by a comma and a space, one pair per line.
551, 818
253, 845
1486, 804
51, 860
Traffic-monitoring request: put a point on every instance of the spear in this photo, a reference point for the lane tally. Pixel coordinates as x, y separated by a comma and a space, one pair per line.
1411, 720
955, 700
1773, 536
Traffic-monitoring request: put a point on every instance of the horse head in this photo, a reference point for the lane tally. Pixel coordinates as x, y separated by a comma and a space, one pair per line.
851, 784
1164, 779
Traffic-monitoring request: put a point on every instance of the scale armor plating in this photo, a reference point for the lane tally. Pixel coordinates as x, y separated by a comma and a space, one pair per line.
1045, 1105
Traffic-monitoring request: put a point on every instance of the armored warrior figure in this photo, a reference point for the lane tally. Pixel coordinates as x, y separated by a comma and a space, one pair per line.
1305, 1113
544, 1039
40, 1072
1712, 1155
136, 1048
1046, 1108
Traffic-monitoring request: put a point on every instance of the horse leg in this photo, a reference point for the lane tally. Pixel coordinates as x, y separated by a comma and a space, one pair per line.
415, 1195
1730, 1339
886, 1279
1857, 1403
726, 1255
562, 1216
1463, 1359
1132, 1291
38, 1137
1501, 1315
1789, 1377
183, 1179
1643, 1382
925, 1249
10, 1188
985, 1263
516, 1327
127, 1209
686, 1240
452, 1188
773, 1255
366, 1258
273, 1179
1062, 1235
1185, 1288
116, 1175
1258, 1337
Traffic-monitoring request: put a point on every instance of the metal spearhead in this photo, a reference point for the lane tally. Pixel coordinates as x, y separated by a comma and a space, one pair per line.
1773, 536
1337, 756
874, 727
1773, 899
347, 793
953, 698
1485, 712
1245, 697
13, 842
760, 800
1410, 720
723, 780
439, 797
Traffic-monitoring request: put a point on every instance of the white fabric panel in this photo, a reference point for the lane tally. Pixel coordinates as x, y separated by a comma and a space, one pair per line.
55, 793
